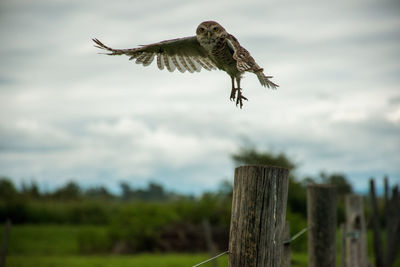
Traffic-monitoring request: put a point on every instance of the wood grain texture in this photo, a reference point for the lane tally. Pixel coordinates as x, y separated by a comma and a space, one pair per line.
343, 245
321, 220
4, 247
286, 247
258, 216
356, 237
378, 249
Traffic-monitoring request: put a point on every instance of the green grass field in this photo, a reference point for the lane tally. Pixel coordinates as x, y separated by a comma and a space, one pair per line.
141, 260
58, 245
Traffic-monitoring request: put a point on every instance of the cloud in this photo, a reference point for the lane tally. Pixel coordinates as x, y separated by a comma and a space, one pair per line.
67, 111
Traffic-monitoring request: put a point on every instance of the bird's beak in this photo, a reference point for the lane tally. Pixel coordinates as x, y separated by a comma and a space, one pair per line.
208, 34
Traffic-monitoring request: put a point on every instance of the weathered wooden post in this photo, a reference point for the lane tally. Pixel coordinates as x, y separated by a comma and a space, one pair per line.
379, 258
321, 220
286, 245
392, 223
258, 216
4, 247
343, 245
356, 239
209, 241
393, 227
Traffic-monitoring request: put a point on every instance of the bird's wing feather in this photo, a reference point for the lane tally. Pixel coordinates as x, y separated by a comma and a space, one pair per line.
244, 61
182, 54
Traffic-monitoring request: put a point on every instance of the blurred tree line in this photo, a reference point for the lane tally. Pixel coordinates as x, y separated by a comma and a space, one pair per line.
153, 219
72, 191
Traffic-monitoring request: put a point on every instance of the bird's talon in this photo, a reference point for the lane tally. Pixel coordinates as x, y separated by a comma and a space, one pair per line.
233, 94
240, 97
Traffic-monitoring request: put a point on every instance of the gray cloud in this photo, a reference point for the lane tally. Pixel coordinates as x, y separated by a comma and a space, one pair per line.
68, 112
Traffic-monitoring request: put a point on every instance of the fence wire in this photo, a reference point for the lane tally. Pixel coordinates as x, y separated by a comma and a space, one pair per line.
210, 259
286, 242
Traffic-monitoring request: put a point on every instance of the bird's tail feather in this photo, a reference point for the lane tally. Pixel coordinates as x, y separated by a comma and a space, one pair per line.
265, 80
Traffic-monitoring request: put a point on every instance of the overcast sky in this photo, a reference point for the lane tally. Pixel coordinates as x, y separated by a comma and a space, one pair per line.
67, 112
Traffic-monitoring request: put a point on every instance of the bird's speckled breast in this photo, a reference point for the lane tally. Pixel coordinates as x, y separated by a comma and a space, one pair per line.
222, 57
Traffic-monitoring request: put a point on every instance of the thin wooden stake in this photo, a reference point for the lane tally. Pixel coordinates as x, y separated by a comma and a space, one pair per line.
343, 245
379, 262
209, 240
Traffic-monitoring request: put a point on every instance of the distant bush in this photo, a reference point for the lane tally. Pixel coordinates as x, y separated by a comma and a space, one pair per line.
139, 225
16, 210
94, 241
7, 189
22, 211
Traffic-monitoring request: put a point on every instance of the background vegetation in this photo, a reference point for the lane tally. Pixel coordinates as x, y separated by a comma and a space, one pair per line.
73, 222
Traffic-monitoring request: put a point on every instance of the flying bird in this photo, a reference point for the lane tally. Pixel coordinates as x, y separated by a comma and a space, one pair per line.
212, 47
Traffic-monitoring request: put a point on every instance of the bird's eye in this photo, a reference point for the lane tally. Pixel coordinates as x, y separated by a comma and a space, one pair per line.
201, 29
215, 29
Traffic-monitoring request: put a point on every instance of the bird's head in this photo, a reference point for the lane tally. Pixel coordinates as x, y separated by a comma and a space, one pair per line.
210, 30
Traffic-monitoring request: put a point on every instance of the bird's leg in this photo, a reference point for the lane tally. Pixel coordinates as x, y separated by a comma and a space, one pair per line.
240, 97
233, 92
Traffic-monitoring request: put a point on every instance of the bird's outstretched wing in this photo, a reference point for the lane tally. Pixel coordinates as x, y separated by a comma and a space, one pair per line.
245, 62
182, 54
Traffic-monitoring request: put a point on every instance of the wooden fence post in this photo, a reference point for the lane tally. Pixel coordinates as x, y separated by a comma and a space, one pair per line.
393, 227
286, 247
343, 245
356, 239
258, 216
209, 241
392, 223
4, 247
379, 261
321, 220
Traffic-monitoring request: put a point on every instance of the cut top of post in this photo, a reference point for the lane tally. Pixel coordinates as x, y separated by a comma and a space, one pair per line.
262, 166
261, 171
